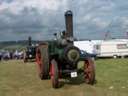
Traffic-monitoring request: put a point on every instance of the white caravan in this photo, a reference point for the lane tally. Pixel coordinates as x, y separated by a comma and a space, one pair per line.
112, 48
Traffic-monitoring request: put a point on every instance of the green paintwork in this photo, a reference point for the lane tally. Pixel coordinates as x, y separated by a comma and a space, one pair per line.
55, 49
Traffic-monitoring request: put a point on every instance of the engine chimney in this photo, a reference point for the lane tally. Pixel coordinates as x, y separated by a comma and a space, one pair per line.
29, 41
69, 23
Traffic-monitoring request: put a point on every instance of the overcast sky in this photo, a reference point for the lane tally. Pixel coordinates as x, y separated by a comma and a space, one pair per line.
41, 18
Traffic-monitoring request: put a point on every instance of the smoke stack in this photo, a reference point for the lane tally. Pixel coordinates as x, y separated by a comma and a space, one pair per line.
29, 41
69, 23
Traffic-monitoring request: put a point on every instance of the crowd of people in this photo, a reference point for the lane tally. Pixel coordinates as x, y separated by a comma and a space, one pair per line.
7, 55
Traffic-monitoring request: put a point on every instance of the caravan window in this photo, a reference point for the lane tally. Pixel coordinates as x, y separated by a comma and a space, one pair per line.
97, 47
122, 46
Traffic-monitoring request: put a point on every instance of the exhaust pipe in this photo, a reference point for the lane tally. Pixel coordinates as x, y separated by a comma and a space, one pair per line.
69, 23
29, 41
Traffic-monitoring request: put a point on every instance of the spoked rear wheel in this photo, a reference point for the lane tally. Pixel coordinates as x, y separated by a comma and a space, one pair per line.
89, 71
54, 74
42, 61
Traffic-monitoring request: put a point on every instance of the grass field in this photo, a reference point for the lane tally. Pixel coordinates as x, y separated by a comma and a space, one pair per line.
19, 79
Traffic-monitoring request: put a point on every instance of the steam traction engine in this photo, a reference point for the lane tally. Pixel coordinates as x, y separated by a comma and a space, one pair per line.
59, 58
30, 52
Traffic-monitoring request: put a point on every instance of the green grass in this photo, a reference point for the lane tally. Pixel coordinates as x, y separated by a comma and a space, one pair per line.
21, 79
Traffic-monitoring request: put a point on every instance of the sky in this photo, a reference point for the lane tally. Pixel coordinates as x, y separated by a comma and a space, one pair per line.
40, 19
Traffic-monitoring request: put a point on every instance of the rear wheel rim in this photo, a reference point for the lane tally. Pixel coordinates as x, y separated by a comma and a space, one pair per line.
39, 63
89, 71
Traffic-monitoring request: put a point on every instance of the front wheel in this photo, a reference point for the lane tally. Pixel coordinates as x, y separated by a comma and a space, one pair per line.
89, 71
54, 74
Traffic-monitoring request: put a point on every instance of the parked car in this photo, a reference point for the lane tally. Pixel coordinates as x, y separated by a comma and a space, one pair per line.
86, 54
